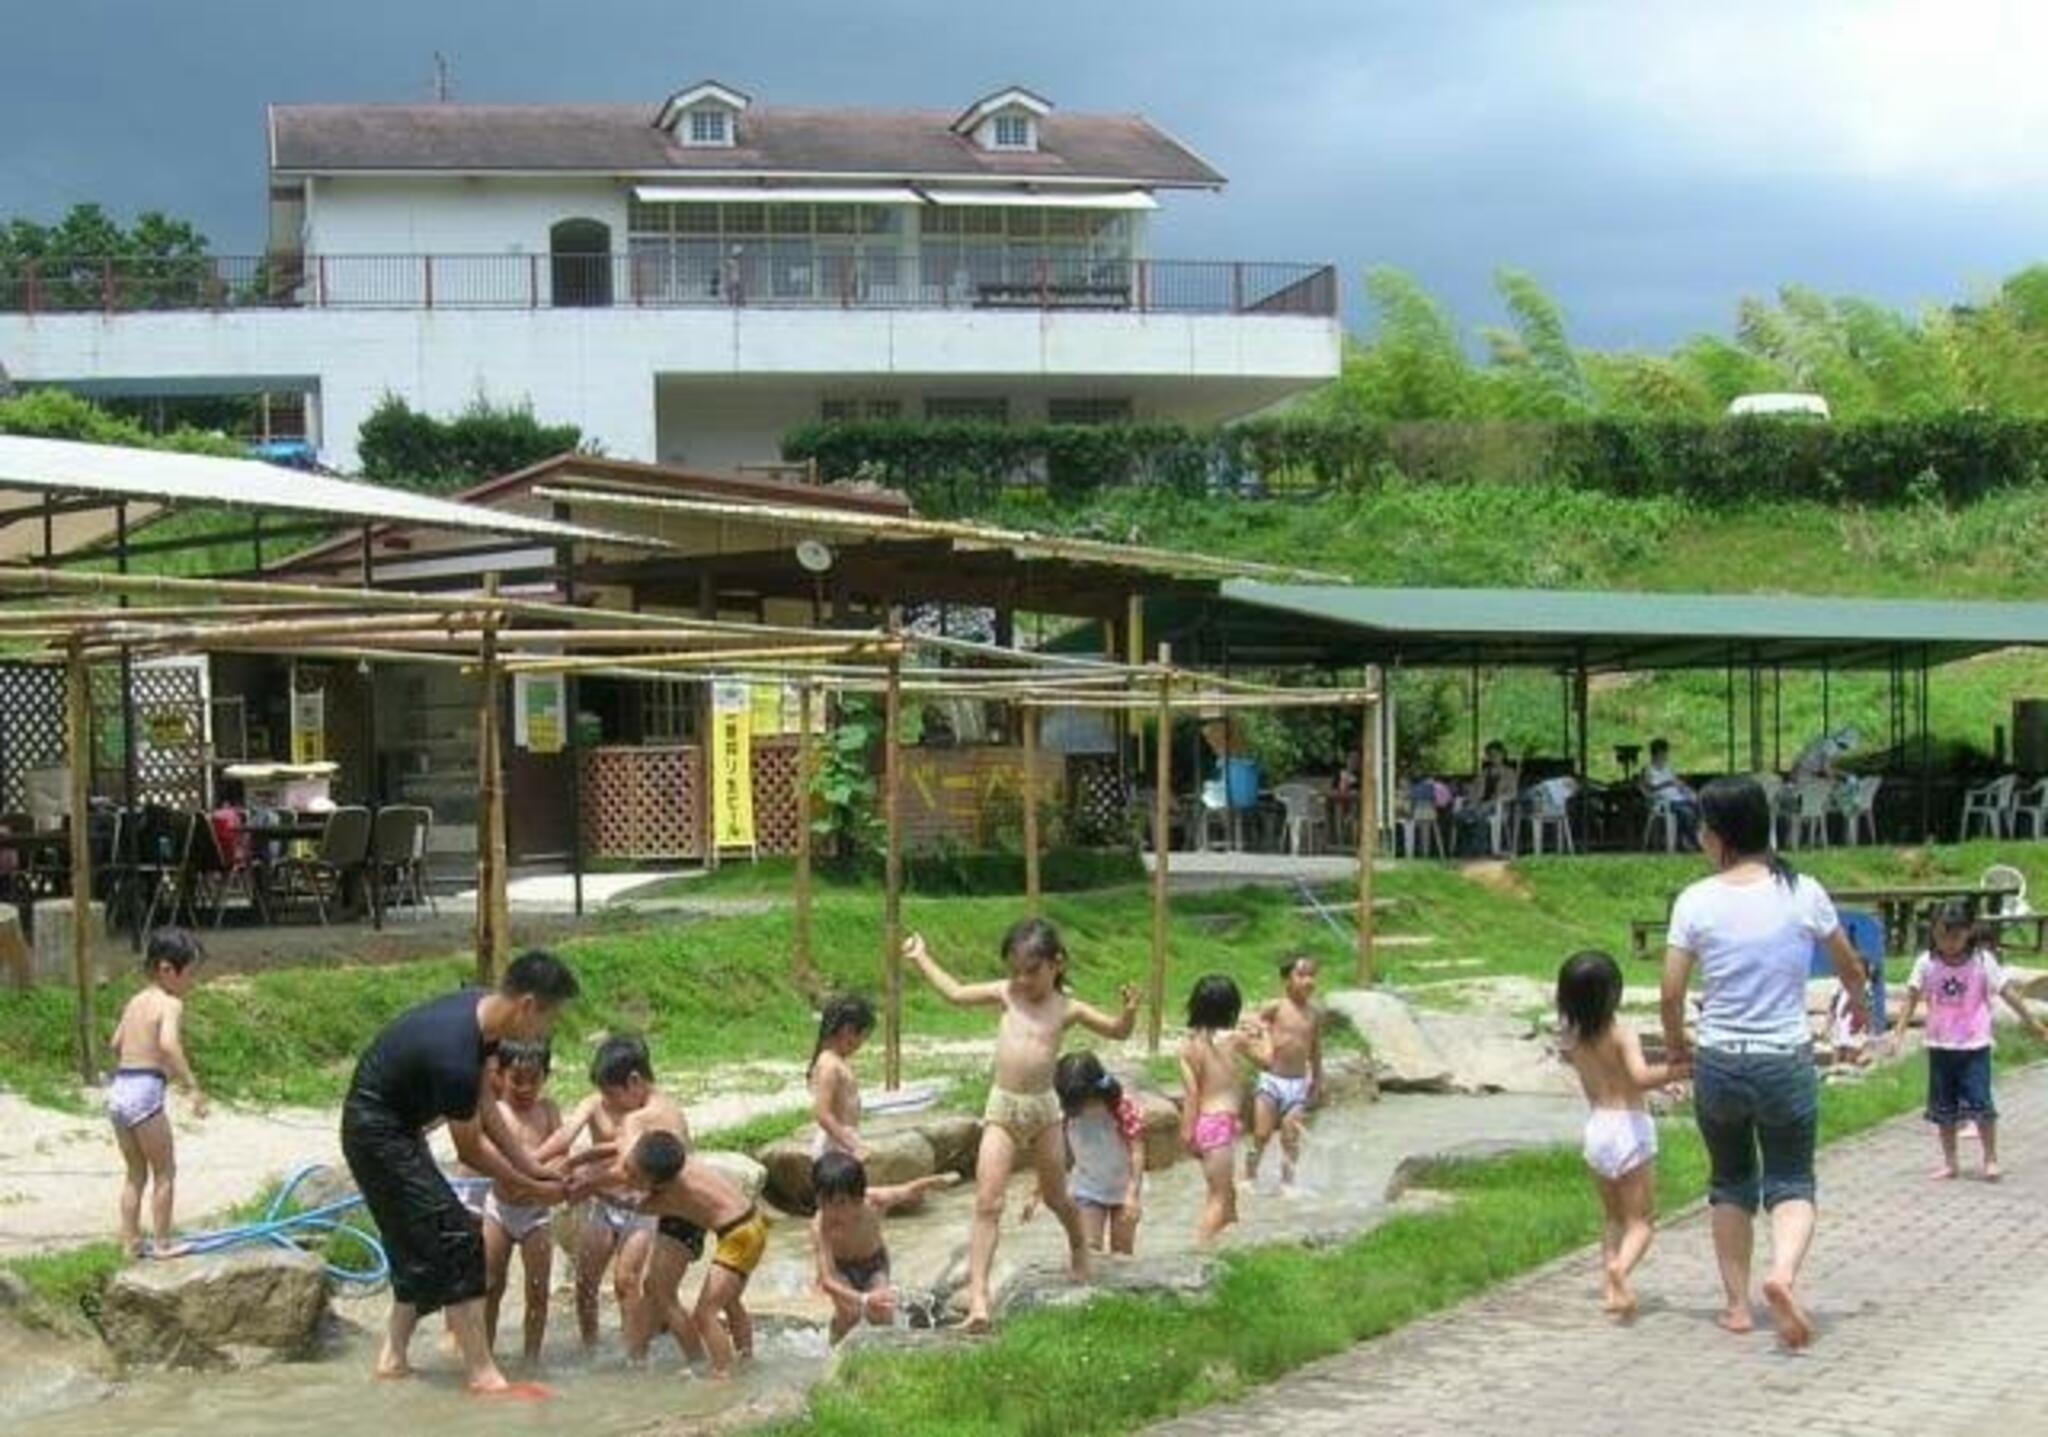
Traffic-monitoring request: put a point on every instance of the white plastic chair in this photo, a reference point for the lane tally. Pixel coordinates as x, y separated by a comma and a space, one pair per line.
1418, 830
1215, 819
1859, 808
2030, 805
1308, 822
2011, 884
1990, 804
1547, 808
1807, 813
1664, 811
1774, 798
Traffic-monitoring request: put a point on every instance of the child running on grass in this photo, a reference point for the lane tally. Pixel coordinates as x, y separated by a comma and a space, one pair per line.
835, 1092
846, 1236
695, 1193
1213, 1095
523, 1067
148, 1046
1293, 1078
1022, 1118
1105, 1150
1621, 1139
1957, 978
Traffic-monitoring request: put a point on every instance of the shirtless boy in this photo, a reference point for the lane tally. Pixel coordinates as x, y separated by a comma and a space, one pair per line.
649, 1257
147, 1046
1292, 1083
508, 1223
705, 1198
846, 1236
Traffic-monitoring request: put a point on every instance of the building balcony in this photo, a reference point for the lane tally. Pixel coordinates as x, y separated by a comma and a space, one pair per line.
772, 274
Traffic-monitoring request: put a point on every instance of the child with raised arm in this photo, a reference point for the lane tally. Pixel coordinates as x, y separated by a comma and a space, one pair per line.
523, 1066
846, 1236
835, 1092
1621, 1138
1957, 978
149, 1050
656, 1163
1023, 1112
1210, 1125
1293, 1079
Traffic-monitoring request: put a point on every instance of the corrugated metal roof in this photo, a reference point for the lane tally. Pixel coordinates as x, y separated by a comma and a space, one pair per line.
150, 477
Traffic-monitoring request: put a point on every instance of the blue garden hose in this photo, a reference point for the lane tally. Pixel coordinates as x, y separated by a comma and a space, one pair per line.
286, 1230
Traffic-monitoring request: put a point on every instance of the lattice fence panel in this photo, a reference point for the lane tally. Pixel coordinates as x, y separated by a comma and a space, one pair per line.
170, 718
1100, 814
31, 727
776, 813
643, 802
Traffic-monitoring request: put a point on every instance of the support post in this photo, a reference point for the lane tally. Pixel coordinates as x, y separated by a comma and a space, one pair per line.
1368, 825
492, 913
78, 718
1029, 789
572, 696
806, 778
131, 801
892, 865
1162, 823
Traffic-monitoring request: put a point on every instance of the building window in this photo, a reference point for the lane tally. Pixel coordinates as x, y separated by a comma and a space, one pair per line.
1013, 132
848, 411
710, 125
665, 712
1088, 411
955, 409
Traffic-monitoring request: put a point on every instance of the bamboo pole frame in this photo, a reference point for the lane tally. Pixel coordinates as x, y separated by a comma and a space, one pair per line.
1029, 790
806, 778
1368, 834
1162, 832
491, 940
709, 658
78, 723
892, 876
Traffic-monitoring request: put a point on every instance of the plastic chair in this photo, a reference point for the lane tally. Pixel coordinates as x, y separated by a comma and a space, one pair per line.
1417, 828
164, 866
1991, 805
1308, 822
1546, 808
221, 874
2011, 884
398, 854
1664, 811
2030, 805
344, 851
1859, 807
1808, 814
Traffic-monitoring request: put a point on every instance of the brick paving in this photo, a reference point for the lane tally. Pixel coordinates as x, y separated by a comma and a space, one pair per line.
1928, 1300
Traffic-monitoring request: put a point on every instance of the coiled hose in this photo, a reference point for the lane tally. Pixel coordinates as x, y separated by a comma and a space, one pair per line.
290, 1230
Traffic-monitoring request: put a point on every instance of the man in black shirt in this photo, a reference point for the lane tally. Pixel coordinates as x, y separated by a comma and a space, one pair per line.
432, 1065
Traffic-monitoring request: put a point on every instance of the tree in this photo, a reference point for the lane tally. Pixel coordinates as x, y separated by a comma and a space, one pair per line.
400, 445
158, 260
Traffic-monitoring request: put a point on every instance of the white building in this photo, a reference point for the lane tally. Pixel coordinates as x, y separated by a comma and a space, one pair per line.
688, 281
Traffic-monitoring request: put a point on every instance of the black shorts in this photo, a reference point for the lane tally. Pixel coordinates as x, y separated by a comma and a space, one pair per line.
688, 1234
1958, 1086
435, 1244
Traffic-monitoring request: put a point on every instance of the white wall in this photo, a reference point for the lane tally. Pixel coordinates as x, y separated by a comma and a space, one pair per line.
456, 216
598, 367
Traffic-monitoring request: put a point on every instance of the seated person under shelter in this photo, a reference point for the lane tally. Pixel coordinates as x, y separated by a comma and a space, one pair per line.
1491, 792
1661, 784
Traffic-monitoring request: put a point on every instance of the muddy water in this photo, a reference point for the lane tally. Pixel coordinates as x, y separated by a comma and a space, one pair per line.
1351, 1154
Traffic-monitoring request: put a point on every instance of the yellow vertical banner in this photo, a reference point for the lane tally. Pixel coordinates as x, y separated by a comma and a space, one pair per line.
732, 763
309, 725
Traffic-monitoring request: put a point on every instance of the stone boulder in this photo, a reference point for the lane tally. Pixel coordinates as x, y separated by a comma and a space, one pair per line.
1405, 1058
1417, 1171
745, 1174
786, 1166
218, 1310
1162, 1129
1495, 1053
955, 1140
897, 1156
1349, 1078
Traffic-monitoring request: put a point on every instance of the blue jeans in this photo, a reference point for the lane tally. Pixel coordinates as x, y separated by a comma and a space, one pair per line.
1958, 1086
1757, 1106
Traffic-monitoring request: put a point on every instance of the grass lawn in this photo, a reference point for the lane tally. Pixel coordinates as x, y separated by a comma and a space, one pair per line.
719, 990
1120, 1361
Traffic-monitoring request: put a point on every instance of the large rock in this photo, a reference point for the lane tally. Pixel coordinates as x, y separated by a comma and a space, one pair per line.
786, 1164
955, 1140
1163, 1146
745, 1174
1349, 1078
215, 1310
1406, 1059
1495, 1053
893, 1157
899, 1158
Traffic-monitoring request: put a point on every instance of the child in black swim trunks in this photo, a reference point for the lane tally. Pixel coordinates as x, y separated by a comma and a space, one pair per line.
853, 1260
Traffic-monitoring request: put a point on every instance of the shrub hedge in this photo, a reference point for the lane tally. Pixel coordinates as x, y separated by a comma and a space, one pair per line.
400, 445
958, 467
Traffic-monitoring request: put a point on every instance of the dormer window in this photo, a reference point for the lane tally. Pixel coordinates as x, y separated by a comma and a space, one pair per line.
1013, 131
710, 125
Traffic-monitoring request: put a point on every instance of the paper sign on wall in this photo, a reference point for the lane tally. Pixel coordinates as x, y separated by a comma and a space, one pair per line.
539, 712
309, 725
732, 764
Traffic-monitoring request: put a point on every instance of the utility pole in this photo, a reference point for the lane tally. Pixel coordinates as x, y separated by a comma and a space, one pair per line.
440, 78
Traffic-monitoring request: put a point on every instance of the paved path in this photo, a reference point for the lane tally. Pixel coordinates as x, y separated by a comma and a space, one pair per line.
1930, 1301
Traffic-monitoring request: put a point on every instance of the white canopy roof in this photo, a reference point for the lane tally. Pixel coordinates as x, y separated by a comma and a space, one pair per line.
778, 195
1052, 200
150, 478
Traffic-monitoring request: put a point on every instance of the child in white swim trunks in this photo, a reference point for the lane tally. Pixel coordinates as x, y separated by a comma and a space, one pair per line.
1621, 1138
1289, 1084
523, 1067
148, 1052
1022, 1120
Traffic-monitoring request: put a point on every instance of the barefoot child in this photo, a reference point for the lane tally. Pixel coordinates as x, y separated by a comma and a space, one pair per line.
1210, 1124
648, 1258
846, 1235
1957, 979
147, 1045
706, 1199
1022, 1118
1106, 1148
1621, 1139
835, 1093
523, 1066
1293, 1080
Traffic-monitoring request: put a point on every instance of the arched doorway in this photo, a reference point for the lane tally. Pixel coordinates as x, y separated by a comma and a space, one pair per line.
579, 263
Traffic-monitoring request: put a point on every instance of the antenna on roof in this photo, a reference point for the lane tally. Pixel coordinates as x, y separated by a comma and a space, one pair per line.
440, 78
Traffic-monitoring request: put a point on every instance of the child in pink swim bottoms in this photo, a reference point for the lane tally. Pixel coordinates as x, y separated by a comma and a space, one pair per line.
1210, 1124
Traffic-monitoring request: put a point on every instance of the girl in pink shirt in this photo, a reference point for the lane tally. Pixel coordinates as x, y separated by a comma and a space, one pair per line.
1957, 979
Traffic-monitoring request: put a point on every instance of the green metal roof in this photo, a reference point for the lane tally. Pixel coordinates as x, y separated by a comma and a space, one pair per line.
1256, 624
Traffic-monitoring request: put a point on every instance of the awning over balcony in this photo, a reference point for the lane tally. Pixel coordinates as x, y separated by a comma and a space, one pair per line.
1063, 200
778, 195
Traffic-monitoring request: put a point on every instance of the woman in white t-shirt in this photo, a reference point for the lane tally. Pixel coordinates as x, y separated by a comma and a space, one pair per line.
1751, 928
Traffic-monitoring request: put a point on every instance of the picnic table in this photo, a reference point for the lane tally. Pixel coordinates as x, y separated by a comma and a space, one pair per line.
1899, 908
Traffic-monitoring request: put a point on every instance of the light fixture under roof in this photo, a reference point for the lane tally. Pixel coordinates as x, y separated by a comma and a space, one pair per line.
813, 556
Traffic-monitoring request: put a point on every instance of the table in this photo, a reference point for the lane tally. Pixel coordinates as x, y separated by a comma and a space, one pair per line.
1900, 908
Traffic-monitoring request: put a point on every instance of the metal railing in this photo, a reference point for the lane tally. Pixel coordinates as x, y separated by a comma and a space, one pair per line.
679, 275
